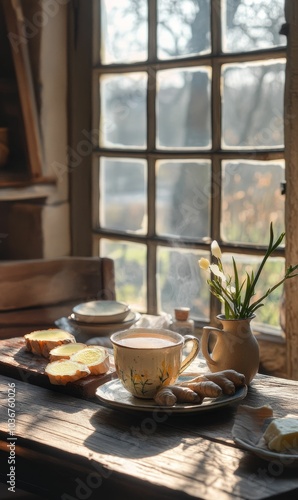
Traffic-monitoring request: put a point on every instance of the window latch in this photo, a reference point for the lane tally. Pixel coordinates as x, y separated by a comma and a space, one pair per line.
283, 185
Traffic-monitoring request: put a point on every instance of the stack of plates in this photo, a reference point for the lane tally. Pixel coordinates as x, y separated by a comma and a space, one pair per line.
102, 317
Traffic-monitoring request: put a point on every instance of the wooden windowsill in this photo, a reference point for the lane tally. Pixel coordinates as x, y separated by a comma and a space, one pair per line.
23, 180
268, 334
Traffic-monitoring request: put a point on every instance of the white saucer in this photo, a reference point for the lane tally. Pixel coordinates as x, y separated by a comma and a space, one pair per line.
248, 432
98, 329
114, 395
284, 459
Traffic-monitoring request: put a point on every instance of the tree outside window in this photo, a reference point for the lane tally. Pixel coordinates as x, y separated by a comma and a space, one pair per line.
188, 102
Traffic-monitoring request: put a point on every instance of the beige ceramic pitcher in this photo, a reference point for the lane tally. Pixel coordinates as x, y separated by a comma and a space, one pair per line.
236, 348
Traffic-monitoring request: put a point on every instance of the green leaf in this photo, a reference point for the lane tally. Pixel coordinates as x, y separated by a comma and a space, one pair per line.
236, 276
234, 306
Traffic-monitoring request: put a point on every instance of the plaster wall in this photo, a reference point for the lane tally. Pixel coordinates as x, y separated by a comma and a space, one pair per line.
46, 28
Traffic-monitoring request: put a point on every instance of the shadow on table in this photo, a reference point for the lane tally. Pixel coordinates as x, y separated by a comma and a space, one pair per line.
145, 434
271, 476
138, 435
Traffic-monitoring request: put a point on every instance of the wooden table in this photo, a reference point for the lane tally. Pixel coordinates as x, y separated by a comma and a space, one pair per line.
72, 448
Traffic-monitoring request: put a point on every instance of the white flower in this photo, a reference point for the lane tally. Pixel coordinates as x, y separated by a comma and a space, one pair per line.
215, 249
204, 264
234, 294
215, 269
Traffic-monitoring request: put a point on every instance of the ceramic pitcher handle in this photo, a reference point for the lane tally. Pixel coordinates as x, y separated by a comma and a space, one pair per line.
193, 353
205, 342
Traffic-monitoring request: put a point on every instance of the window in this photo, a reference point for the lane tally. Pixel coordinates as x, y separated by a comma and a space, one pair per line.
188, 144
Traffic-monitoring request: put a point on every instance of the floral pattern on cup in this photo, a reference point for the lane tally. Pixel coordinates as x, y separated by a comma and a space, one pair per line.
147, 359
142, 383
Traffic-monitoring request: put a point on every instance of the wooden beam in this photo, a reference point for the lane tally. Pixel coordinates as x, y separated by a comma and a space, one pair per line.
291, 206
15, 22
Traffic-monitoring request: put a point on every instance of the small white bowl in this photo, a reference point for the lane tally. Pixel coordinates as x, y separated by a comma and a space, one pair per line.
101, 311
85, 330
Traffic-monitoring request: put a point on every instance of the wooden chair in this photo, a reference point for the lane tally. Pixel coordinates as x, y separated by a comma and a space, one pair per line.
35, 293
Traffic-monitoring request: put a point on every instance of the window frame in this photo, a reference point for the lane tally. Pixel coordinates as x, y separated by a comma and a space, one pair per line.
215, 60
285, 348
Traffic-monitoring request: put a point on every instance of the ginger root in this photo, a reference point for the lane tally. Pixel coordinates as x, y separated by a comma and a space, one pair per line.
171, 394
206, 388
211, 385
226, 380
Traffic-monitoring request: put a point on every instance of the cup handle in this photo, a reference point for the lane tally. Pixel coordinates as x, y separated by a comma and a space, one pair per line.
193, 353
205, 342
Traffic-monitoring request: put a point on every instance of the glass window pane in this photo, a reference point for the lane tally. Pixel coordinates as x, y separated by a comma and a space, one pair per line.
272, 273
253, 104
123, 110
123, 191
124, 31
130, 271
180, 282
252, 24
251, 200
183, 28
183, 198
184, 108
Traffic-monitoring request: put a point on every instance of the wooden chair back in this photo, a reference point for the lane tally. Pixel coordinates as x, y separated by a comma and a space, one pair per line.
39, 291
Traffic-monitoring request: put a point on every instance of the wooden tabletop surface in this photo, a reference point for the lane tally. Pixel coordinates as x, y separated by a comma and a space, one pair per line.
70, 448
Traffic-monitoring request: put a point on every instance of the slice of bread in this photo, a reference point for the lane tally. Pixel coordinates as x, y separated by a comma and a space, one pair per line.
41, 342
64, 370
95, 357
65, 351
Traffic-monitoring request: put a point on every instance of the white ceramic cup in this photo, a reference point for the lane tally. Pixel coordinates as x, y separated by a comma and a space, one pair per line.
149, 358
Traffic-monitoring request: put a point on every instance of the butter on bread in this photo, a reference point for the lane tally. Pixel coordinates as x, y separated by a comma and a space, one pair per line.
282, 434
41, 342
